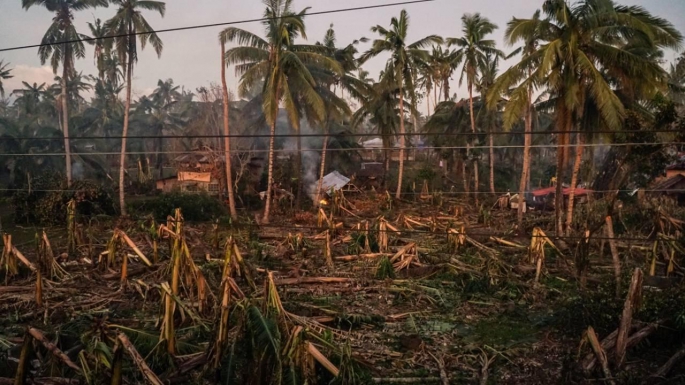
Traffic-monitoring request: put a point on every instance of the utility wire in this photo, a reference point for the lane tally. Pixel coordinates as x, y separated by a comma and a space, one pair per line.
342, 149
418, 193
318, 135
200, 26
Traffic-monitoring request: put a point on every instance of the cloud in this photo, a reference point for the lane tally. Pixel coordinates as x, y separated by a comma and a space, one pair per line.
28, 74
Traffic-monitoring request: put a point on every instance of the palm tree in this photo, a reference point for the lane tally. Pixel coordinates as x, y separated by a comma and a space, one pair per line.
4, 74
403, 57
125, 24
381, 108
282, 65
102, 46
472, 50
29, 98
488, 74
337, 109
584, 46
62, 29
529, 32
227, 131
448, 127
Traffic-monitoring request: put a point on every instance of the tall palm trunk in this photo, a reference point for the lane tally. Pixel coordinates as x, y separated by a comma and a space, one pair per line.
298, 173
492, 163
525, 171
473, 130
227, 139
398, 193
574, 181
127, 107
446, 88
65, 120
566, 120
428, 102
435, 97
270, 178
322, 170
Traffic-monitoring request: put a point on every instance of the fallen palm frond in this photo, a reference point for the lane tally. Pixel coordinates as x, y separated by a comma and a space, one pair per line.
145, 370
46, 259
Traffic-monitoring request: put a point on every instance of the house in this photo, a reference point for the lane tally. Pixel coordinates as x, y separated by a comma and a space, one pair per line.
373, 151
676, 169
673, 187
543, 198
195, 172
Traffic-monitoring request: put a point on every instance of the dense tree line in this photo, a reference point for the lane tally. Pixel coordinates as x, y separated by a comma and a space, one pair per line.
580, 68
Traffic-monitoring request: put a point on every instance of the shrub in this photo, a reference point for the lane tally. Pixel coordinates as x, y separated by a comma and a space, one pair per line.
46, 202
195, 207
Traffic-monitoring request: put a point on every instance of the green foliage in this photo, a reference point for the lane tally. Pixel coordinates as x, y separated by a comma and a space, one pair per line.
195, 207
46, 202
385, 269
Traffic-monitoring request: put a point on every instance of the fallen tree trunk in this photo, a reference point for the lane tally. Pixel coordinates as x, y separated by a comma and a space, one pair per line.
663, 371
39, 336
610, 342
599, 352
306, 280
149, 375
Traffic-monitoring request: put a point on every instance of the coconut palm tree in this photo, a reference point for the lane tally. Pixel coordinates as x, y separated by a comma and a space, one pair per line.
403, 57
125, 24
62, 29
488, 74
5, 73
448, 127
582, 47
337, 109
102, 46
282, 65
381, 108
529, 33
472, 50
227, 132
29, 98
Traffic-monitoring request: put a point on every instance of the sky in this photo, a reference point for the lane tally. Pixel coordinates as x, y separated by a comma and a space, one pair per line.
192, 58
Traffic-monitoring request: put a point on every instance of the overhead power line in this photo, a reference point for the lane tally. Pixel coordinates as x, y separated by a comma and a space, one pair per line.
343, 149
320, 135
200, 26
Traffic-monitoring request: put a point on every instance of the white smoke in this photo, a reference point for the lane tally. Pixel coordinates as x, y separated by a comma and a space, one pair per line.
77, 171
311, 157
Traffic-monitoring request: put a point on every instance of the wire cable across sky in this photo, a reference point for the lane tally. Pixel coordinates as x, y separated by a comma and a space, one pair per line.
200, 26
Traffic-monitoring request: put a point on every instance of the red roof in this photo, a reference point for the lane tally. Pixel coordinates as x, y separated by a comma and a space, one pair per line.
544, 191
566, 191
